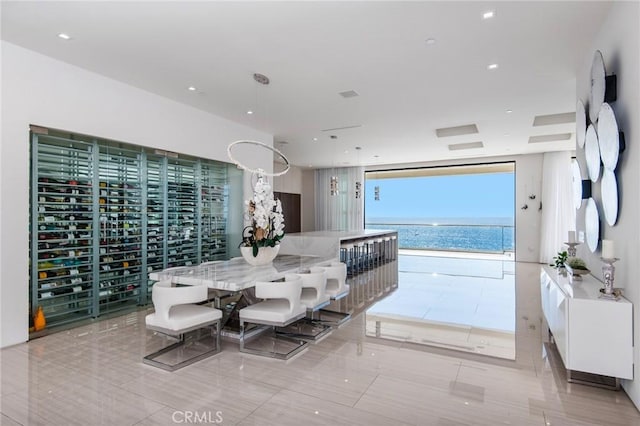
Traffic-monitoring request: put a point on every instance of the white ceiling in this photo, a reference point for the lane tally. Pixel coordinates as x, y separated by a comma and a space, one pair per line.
311, 51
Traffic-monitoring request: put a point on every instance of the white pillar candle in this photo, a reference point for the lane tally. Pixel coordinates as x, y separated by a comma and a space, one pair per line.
608, 251
572, 236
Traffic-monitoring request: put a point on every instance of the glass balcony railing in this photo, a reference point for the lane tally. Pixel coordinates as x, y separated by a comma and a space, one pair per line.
470, 238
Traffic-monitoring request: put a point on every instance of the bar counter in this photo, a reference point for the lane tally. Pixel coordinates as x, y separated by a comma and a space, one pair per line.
327, 243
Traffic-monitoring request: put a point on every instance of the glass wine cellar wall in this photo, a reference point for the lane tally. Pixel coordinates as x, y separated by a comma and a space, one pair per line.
105, 214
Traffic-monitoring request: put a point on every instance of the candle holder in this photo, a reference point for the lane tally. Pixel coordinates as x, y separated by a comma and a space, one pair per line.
571, 251
608, 272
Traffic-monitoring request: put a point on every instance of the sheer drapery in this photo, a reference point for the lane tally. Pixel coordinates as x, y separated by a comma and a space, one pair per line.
341, 212
558, 212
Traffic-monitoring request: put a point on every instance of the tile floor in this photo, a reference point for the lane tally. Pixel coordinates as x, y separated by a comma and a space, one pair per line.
93, 375
459, 303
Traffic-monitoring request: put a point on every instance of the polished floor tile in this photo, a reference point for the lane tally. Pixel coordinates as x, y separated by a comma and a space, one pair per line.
94, 375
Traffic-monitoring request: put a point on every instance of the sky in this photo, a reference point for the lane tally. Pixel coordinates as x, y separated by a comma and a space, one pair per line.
454, 196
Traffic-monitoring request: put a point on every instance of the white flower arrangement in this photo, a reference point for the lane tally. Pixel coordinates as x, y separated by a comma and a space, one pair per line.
264, 218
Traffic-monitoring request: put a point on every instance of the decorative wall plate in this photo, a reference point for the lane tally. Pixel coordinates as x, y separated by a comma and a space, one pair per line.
598, 86
592, 225
592, 153
577, 184
608, 137
609, 190
581, 123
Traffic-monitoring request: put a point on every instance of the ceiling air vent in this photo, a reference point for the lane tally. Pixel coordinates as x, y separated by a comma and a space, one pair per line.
551, 119
354, 126
445, 132
349, 94
550, 138
468, 145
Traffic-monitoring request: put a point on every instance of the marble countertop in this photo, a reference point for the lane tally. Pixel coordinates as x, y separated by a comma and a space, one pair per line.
344, 235
236, 274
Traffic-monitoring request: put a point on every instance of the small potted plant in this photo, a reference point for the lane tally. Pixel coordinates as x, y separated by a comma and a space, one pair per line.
576, 267
559, 260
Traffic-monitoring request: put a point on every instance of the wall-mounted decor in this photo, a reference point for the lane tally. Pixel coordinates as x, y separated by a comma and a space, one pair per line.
592, 153
592, 225
609, 190
608, 137
598, 86
581, 123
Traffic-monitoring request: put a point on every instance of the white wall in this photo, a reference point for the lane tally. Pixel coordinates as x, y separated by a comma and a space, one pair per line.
290, 182
619, 42
39, 90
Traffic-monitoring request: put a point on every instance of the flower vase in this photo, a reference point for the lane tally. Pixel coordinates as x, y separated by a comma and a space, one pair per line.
265, 255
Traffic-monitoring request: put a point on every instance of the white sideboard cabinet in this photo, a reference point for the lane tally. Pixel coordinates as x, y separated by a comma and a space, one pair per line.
592, 334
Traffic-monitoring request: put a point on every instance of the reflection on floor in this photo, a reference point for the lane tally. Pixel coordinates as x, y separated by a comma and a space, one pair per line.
459, 303
94, 375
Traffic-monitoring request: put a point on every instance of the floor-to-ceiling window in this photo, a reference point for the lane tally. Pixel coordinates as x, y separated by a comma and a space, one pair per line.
456, 275
461, 208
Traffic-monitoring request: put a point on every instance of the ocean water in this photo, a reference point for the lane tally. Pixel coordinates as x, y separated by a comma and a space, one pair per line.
468, 237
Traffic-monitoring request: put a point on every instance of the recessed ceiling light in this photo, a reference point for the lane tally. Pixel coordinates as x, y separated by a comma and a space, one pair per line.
191, 89
488, 14
509, 111
64, 36
249, 112
431, 41
315, 139
492, 66
346, 151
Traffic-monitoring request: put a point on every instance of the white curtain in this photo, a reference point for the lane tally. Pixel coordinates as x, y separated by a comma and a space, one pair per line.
558, 212
341, 212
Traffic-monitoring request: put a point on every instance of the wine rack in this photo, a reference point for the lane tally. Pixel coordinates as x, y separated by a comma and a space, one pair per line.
120, 220
182, 232
155, 213
213, 213
62, 235
104, 214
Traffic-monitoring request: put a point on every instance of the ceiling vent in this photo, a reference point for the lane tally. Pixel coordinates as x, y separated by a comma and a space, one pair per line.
349, 94
469, 145
551, 119
445, 132
355, 126
550, 138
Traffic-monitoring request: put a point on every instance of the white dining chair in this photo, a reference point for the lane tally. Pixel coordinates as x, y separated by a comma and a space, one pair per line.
178, 313
281, 306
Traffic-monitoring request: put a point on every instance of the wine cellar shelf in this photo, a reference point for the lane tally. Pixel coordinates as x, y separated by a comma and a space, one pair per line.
105, 214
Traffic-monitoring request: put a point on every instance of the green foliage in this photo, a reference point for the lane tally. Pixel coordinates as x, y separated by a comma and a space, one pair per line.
559, 259
576, 263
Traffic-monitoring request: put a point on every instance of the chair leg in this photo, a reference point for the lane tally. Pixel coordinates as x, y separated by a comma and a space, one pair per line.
296, 345
152, 359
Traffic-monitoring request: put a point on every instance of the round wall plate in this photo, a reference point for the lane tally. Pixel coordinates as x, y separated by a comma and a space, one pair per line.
592, 225
598, 86
608, 137
609, 190
577, 184
581, 123
592, 153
